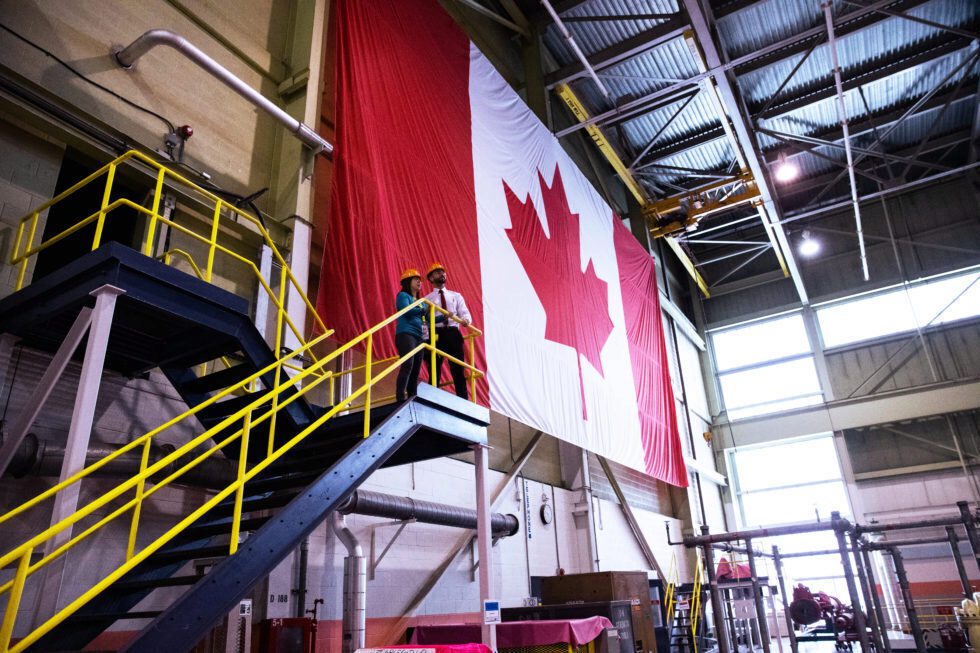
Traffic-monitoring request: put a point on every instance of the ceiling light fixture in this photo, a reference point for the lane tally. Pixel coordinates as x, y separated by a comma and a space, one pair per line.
786, 171
808, 246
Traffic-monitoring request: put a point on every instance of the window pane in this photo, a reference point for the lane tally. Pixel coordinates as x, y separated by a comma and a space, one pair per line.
760, 342
791, 505
770, 383
930, 301
793, 463
862, 319
901, 310
775, 407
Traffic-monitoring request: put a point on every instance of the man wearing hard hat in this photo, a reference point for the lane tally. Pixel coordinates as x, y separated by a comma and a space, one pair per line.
449, 339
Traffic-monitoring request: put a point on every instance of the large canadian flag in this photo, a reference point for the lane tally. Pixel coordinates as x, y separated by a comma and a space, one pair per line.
438, 159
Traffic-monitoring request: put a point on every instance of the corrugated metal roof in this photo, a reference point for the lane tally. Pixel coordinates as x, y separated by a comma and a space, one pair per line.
595, 36
920, 55
697, 115
880, 94
767, 22
641, 75
713, 155
876, 43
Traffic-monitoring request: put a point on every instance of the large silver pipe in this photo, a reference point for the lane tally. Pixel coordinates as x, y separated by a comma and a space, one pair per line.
363, 502
44, 458
842, 115
129, 55
355, 586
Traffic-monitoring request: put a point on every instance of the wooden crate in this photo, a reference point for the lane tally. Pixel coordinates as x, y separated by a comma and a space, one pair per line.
630, 586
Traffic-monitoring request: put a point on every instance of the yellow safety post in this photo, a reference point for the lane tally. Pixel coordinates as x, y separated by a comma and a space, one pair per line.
151, 228
214, 240
240, 484
472, 339
432, 340
140, 485
695, 608
30, 241
368, 383
102, 209
281, 310
10, 616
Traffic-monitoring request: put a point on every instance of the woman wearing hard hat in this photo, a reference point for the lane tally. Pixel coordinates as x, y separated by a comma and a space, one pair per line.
408, 334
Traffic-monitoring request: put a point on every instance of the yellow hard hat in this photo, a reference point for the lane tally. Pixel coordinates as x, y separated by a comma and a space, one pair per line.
409, 273
435, 266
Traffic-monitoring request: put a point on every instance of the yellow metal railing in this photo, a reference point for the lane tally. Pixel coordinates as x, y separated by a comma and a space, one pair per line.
695, 613
296, 381
262, 409
223, 213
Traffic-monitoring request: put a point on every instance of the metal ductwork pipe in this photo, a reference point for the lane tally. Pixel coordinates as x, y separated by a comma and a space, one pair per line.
374, 504
37, 457
355, 586
129, 55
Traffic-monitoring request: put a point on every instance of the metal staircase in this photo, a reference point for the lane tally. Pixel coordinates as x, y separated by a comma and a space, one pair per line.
249, 401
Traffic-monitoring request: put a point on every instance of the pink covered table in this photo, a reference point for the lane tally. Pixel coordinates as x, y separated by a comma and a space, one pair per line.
514, 634
433, 648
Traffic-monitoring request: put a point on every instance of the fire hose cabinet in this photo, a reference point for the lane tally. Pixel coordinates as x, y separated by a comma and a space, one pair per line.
632, 586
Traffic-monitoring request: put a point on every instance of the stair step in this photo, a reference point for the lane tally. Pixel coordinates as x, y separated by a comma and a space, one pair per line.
219, 380
222, 409
217, 551
223, 526
249, 504
287, 481
172, 581
113, 616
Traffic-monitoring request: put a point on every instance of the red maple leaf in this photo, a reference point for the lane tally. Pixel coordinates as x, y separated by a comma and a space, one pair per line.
575, 302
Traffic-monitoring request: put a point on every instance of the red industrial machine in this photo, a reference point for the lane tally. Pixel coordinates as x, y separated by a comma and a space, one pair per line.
808, 609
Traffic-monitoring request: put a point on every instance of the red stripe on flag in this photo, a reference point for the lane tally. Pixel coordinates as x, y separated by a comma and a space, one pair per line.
662, 452
403, 192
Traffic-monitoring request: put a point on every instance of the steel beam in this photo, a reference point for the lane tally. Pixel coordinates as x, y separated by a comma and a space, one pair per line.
20, 427
622, 51
922, 21
803, 213
920, 53
842, 117
700, 21
881, 120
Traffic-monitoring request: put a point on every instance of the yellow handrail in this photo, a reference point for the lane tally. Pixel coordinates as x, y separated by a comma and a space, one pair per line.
25, 249
264, 408
137, 483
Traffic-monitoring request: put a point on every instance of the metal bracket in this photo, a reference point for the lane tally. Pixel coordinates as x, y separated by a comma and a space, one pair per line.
376, 559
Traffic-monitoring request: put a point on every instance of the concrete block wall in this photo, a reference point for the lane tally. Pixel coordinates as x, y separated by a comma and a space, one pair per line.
29, 164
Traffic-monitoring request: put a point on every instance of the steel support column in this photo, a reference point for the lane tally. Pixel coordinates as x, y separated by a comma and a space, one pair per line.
954, 547
875, 601
969, 521
483, 501
903, 585
20, 427
841, 526
79, 434
866, 591
777, 560
717, 612
760, 608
